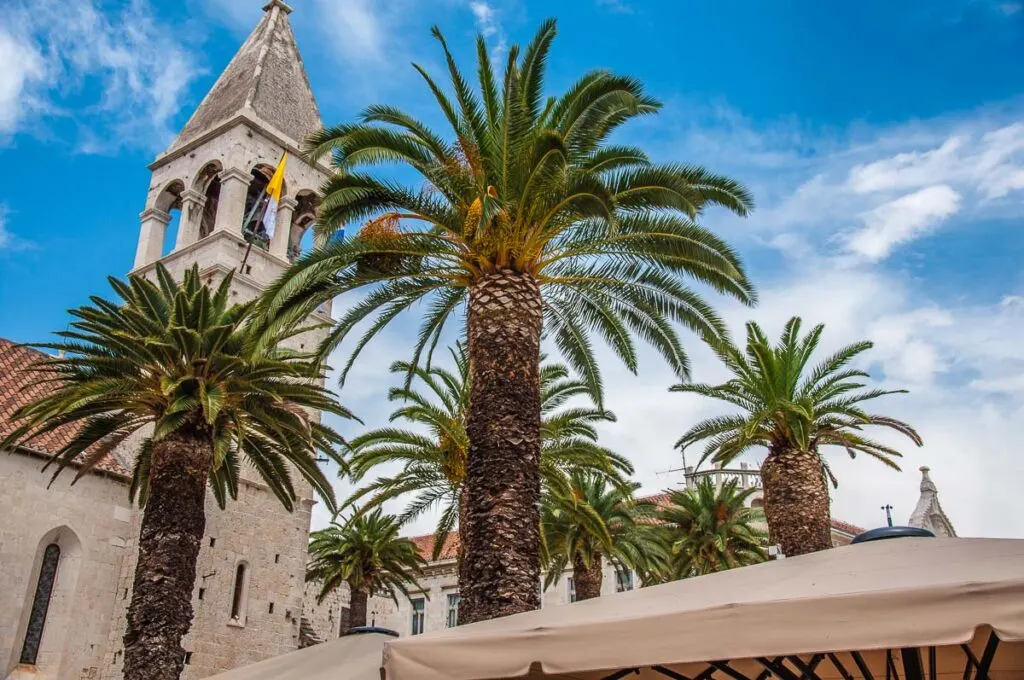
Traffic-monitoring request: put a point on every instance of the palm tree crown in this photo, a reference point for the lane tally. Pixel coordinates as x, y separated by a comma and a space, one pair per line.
527, 185
711, 529
176, 356
596, 521
367, 553
793, 410
434, 464
786, 406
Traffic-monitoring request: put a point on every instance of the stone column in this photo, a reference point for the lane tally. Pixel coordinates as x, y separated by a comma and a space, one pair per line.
192, 203
283, 230
151, 236
234, 184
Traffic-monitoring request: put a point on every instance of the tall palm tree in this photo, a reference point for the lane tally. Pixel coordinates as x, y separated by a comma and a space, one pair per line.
434, 464
368, 554
711, 529
205, 385
596, 522
528, 217
793, 410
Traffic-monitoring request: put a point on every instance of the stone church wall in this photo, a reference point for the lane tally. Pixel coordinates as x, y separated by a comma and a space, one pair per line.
90, 522
258, 533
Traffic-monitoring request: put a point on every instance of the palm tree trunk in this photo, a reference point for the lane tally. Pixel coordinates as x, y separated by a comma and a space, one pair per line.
587, 580
796, 502
357, 606
160, 612
463, 504
500, 571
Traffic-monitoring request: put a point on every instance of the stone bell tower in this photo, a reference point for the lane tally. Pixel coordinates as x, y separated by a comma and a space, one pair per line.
260, 107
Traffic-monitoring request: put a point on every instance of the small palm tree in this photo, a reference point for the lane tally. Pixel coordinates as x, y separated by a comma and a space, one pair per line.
526, 216
711, 529
793, 411
205, 386
367, 553
434, 464
593, 522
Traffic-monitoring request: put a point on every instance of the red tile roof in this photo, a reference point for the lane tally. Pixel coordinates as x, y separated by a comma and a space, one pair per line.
425, 544
846, 527
17, 389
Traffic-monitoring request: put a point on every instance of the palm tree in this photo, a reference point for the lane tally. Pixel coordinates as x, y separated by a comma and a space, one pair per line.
366, 553
711, 529
593, 522
793, 411
525, 215
434, 464
204, 385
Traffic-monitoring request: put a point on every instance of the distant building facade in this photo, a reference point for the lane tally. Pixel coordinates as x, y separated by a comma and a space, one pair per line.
436, 605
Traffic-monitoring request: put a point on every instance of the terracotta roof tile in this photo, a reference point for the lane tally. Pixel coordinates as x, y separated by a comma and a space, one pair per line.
17, 389
425, 544
846, 527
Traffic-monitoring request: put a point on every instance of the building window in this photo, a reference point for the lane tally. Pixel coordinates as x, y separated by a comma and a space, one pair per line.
240, 594
418, 607
571, 586
453, 610
40, 604
623, 580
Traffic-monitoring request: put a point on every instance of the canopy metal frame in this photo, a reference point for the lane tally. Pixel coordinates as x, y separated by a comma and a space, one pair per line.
793, 667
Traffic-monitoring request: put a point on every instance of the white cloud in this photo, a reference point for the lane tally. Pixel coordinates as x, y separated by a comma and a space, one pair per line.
22, 65
484, 16
358, 28
9, 241
133, 72
902, 220
1010, 8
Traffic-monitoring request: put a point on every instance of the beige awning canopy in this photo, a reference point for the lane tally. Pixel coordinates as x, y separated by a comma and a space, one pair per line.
352, 657
909, 604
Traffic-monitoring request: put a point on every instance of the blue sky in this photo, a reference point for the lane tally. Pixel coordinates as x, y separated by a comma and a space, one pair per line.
884, 143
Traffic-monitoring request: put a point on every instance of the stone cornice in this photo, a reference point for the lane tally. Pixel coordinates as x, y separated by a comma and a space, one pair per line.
249, 119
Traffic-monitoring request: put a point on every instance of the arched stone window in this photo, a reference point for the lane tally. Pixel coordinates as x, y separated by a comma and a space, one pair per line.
301, 238
40, 605
208, 182
253, 227
240, 594
169, 201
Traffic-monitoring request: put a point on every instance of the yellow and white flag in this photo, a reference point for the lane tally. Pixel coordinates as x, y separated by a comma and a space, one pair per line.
274, 190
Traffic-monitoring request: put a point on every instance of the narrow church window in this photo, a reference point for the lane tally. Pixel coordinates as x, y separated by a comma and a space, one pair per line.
188, 658
213, 541
240, 592
40, 605
202, 591
277, 558
271, 609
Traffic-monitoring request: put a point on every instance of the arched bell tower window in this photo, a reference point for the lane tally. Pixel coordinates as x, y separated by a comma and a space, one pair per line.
301, 238
254, 229
208, 182
170, 202
40, 604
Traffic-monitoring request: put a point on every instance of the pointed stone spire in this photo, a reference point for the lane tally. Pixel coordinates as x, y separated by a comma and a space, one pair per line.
265, 82
928, 514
